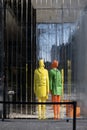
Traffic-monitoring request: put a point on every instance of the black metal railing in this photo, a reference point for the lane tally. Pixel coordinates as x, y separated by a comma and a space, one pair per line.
74, 103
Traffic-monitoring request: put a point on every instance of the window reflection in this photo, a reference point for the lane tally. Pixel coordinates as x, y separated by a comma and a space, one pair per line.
51, 37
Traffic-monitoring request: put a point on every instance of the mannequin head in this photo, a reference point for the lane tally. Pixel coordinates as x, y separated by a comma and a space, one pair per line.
54, 64
41, 63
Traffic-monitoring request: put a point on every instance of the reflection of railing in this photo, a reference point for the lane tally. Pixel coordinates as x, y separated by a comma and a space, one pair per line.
48, 103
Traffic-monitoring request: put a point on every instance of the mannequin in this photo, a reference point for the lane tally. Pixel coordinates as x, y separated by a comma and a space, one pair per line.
41, 87
55, 87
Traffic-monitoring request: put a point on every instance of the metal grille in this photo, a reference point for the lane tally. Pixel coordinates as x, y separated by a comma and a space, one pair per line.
19, 59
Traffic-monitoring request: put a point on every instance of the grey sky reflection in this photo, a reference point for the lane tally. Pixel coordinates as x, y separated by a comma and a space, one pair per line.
52, 34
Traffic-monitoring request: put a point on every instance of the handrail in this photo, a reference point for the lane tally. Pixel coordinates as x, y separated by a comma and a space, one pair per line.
74, 103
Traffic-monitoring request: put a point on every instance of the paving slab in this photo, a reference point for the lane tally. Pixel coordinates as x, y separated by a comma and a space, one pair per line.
35, 124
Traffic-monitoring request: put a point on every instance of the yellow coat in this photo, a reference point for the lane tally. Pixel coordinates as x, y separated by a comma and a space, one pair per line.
41, 82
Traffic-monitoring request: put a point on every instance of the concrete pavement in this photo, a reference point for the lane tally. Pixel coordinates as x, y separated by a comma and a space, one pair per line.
35, 124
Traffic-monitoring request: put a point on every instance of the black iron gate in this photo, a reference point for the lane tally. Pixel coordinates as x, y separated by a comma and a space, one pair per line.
20, 57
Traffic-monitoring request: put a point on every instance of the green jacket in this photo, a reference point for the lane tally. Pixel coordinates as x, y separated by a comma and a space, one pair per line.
55, 83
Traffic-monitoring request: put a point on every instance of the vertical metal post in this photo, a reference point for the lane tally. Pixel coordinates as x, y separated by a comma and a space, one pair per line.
56, 51
26, 53
74, 115
31, 22
62, 73
69, 77
12, 52
3, 4
21, 69
17, 60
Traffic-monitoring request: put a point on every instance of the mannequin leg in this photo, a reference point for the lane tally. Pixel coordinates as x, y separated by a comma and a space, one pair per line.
39, 109
54, 97
43, 108
58, 107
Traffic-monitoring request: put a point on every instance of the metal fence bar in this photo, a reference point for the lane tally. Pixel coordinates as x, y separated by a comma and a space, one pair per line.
74, 115
48, 103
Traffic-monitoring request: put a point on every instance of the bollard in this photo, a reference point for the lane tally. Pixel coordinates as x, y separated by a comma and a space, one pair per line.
10, 95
